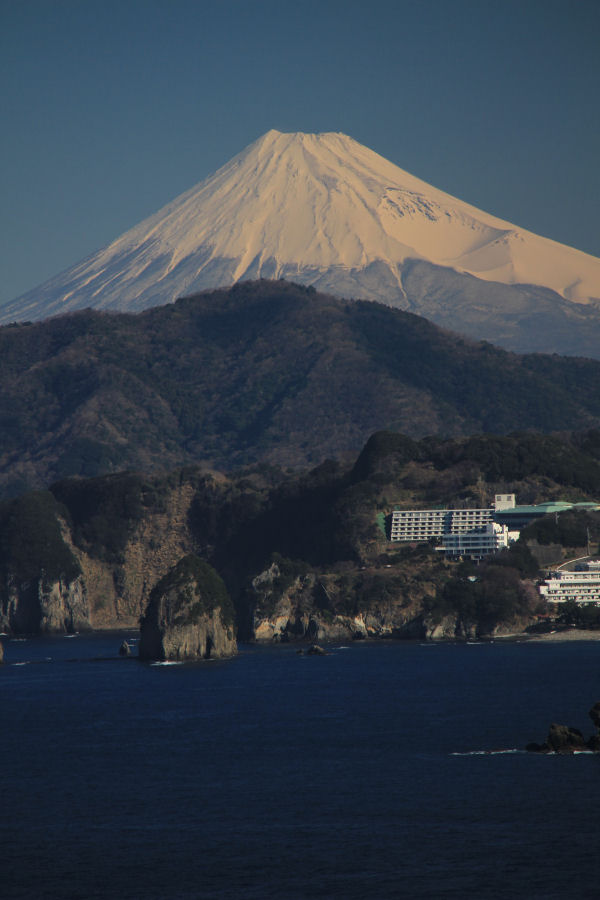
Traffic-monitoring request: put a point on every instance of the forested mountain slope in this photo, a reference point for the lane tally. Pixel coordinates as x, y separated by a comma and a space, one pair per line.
262, 372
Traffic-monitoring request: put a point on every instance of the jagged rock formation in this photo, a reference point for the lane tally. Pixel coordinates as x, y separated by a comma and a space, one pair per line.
189, 616
326, 607
564, 739
316, 650
370, 602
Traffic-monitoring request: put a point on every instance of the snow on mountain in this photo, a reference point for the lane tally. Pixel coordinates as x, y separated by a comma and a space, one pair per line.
315, 208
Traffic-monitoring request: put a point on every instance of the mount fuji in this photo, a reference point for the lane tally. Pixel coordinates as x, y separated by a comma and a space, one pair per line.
323, 210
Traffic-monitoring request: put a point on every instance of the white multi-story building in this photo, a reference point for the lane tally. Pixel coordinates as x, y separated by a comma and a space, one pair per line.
424, 524
580, 586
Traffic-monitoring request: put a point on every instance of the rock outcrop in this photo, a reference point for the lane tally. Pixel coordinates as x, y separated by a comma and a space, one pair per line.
37, 605
564, 739
189, 615
313, 607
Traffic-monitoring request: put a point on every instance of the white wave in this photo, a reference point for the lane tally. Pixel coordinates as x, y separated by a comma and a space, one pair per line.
26, 663
488, 752
167, 662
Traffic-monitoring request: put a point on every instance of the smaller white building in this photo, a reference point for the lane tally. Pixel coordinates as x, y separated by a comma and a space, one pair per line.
504, 501
582, 586
478, 543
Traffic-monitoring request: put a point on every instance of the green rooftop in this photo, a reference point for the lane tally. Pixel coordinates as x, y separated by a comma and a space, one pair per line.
545, 509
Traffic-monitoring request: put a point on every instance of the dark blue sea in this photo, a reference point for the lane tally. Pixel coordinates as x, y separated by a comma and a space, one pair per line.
361, 774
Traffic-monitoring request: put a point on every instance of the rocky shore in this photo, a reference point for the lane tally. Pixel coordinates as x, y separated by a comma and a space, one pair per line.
565, 740
565, 634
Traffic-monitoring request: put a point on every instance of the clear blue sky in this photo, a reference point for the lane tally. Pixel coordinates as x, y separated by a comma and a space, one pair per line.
110, 109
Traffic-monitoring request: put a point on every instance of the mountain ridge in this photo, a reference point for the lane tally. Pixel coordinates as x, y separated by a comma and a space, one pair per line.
264, 372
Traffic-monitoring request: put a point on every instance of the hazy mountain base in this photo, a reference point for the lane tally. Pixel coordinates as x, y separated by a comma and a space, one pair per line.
302, 556
522, 318
263, 372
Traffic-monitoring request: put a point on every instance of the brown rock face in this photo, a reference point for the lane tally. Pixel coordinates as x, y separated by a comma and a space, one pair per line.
189, 615
310, 607
41, 606
118, 593
96, 590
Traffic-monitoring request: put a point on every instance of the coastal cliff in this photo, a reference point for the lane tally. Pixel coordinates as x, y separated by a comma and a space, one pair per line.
39, 605
189, 616
370, 603
350, 605
305, 556
72, 572
119, 582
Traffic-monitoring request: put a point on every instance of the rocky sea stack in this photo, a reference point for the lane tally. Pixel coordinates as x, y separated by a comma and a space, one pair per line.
189, 616
564, 739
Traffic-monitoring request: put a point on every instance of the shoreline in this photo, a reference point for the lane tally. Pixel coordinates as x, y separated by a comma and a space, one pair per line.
570, 634
567, 634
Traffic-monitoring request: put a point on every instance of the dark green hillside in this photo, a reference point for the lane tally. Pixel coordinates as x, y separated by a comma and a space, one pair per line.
31, 543
329, 514
264, 371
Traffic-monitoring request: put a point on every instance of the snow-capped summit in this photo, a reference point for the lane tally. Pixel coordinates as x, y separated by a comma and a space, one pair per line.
320, 209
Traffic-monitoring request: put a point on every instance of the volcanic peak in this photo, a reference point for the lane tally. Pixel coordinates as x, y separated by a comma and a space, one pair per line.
316, 208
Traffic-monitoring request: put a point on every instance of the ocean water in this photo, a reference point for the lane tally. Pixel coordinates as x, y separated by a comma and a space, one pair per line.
363, 773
